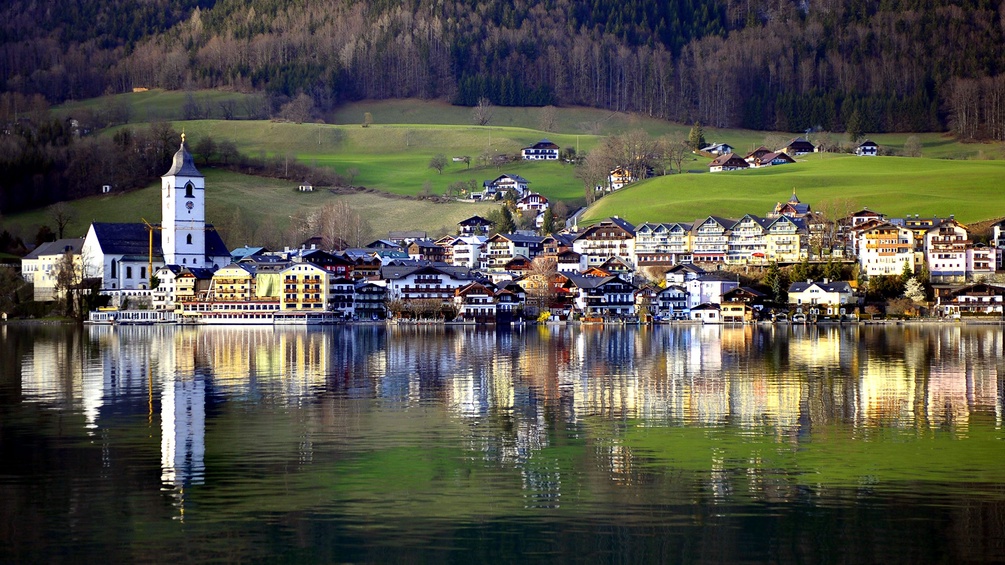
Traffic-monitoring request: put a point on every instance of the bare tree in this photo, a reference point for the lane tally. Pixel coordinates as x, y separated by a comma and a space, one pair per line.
352, 173
298, 110
438, 162
548, 119
67, 280
61, 214
228, 108
339, 226
541, 291
482, 112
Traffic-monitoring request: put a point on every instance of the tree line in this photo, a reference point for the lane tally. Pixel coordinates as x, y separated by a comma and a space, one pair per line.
763, 64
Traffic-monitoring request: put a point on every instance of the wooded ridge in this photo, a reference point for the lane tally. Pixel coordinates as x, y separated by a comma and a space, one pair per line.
896, 65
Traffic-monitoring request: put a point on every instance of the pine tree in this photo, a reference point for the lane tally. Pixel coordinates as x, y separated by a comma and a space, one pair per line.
696, 139
548, 225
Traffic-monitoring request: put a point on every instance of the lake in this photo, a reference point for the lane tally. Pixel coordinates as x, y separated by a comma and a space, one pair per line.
688, 444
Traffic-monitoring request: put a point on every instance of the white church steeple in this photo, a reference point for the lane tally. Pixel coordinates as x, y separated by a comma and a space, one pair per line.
183, 212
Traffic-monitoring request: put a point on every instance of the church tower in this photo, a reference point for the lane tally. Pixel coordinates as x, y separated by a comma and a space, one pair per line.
183, 212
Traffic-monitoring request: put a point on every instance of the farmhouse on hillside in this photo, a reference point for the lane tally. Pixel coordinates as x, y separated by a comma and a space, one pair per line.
543, 150
867, 148
727, 162
798, 146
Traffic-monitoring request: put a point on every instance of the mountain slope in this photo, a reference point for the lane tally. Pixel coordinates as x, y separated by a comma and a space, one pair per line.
879, 65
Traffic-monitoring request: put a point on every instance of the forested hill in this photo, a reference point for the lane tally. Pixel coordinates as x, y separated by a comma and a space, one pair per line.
768, 64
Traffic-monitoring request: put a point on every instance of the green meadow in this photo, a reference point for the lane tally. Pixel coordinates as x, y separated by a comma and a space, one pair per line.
264, 204
970, 190
392, 156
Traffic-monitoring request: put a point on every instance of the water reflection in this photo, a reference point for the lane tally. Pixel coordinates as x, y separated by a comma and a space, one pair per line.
402, 423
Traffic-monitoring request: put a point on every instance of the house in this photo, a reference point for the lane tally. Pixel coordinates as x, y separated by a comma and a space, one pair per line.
502, 248
165, 294
305, 287
405, 236
618, 178
717, 149
727, 162
305, 188
570, 262
467, 251
601, 296
611, 237
756, 154
337, 265
411, 283
735, 313
671, 303
973, 300
709, 288
341, 297
824, 298
191, 284
496, 188
543, 150
368, 301
867, 148
42, 266
706, 313
246, 251
885, 249
770, 159
426, 250
662, 244
786, 240
680, 274
792, 208
710, 239
532, 202
476, 303
798, 146
952, 257
746, 295
475, 225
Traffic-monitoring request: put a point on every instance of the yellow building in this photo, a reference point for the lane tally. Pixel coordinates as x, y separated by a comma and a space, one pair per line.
233, 283
305, 287
41, 266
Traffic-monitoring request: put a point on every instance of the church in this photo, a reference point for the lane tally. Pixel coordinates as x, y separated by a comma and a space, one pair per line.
120, 254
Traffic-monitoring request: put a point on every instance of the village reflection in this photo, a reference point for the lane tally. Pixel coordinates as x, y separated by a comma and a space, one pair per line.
516, 394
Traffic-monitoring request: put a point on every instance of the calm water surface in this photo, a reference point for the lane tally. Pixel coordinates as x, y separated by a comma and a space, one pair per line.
373, 444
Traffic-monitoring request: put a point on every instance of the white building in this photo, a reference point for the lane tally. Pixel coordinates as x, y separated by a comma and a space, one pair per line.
709, 288
122, 254
885, 249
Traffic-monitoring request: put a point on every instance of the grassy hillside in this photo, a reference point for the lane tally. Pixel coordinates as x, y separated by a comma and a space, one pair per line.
165, 105
395, 158
264, 204
972, 190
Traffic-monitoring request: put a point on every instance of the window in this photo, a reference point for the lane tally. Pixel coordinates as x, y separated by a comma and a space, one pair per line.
114, 269
188, 190
188, 239
129, 272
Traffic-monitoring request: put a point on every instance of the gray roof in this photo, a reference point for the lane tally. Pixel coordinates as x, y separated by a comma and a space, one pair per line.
128, 239
523, 239
394, 272
183, 164
133, 239
840, 286
58, 247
